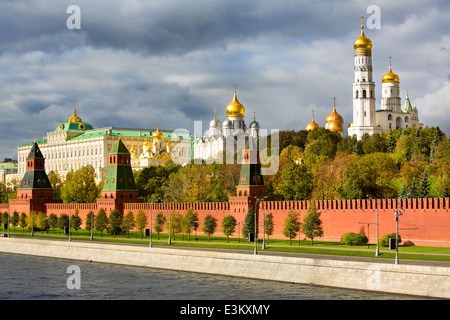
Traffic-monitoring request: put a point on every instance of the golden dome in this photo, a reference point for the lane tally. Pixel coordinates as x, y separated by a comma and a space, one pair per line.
312, 125
158, 134
350, 125
334, 115
235, 108
74, 117
334, 121
335, 126
390, 76
362, 42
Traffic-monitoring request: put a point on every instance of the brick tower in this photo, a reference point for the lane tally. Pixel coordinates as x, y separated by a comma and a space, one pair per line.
35, 189
119, 186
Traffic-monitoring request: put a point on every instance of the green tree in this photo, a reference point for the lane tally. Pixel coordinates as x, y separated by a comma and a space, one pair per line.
75, 221
128, 223
296, 182
52, 221
269, 225
115, 222
90, 218
141, 221
63, 221
209, 225
424, 186
56, 182
189, 221
159, 222
23, 221
312, 225
101, 221
41, 221
14, 220
291, 225
229, 226
249, 223
80, 186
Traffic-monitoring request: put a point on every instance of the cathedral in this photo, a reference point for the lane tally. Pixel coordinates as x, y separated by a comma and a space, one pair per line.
233, 135
366, 119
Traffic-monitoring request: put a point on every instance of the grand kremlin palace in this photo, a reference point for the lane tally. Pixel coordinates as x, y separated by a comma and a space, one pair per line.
75, 144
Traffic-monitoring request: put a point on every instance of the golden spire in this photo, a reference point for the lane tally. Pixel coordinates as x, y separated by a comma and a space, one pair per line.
158, 134
215, 115
362, 42
74, 117
312, 125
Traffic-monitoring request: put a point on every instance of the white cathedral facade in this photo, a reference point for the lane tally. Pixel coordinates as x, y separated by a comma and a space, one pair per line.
232, 135
366, 119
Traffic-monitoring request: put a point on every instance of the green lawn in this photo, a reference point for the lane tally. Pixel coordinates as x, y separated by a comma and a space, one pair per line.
274, 245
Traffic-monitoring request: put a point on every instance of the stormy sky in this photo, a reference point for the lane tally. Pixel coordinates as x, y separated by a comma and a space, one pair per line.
137, 63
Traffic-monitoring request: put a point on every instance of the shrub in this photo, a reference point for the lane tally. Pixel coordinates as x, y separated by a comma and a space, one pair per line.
354, 239
384, 240
408, 243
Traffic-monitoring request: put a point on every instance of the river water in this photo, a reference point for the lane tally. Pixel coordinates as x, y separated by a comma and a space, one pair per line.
31, 277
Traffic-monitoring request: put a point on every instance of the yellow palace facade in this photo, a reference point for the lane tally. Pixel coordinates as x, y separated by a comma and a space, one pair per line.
75, 144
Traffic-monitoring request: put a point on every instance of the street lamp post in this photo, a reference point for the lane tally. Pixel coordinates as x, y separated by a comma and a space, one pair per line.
170, 240
69, 225
92, 225
377, 251
397, 214
151, 209
255, 237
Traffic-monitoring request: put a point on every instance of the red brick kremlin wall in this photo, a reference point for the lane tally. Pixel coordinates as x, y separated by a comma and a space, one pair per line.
425, 222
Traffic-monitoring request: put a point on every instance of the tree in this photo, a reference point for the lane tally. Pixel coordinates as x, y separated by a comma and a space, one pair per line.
249, 223
90, 218
189, 220
228, 226
14, 220
75, 221
52, 221
174, 225
424, 186
56, 182
63, 221
159, 222
115, 222
128, 223
141, 221
291, 225
296, 182
312, 225
268, 225
101, 221
80, 186
209, 225
41, 221
23, 221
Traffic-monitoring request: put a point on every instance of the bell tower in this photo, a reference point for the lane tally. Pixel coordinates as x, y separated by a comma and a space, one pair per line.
364, 117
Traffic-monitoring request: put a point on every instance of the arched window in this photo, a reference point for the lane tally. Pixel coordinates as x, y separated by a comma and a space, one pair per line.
357, 94
364, 94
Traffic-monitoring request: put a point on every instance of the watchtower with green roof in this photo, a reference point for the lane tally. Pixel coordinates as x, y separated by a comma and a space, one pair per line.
119, 186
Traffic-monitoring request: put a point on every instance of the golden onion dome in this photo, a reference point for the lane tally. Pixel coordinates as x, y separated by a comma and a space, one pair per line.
158, 134
312, 125
132, 150
335, 126
74, 117
390, 76
334, 116
350, 125
235, 108
362, 42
